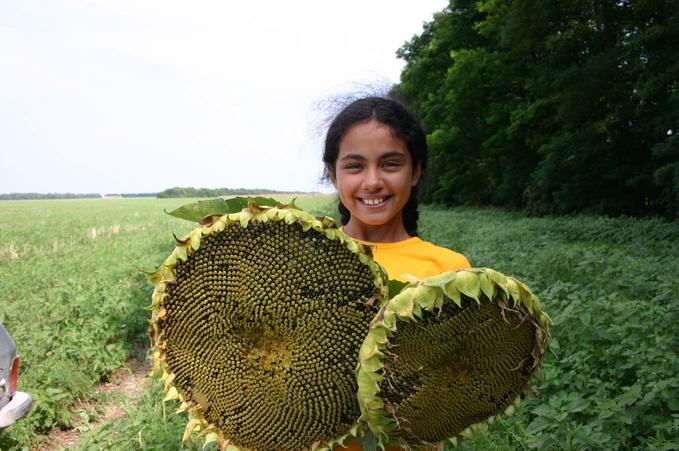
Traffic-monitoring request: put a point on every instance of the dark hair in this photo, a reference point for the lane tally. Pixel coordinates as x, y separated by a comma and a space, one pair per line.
402, 123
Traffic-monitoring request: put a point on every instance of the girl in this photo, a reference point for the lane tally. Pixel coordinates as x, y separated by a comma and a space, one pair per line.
375, 154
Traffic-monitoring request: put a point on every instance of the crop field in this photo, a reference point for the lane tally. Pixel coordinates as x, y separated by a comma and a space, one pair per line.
73, 298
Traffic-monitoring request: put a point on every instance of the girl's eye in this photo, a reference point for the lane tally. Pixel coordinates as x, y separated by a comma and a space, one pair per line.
392, 164
352, 166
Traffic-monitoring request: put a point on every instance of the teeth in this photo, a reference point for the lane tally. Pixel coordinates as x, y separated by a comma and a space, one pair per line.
373, 201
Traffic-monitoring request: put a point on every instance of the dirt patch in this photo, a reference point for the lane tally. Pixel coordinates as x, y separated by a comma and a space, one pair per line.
127, 383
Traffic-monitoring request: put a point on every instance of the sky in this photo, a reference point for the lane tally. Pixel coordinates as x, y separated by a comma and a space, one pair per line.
128, 96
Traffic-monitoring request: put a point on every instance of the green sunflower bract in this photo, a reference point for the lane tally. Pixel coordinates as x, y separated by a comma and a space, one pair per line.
258, 319
447, 354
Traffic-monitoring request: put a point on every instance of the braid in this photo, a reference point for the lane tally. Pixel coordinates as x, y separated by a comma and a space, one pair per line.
344, 212
410, 213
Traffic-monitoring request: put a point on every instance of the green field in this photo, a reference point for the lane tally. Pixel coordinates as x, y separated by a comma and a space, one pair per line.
73, 299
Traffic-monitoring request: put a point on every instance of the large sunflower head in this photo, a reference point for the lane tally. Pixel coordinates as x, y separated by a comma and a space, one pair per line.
446, 354
258, 317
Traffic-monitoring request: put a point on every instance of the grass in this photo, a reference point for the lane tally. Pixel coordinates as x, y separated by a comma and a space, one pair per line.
73, 299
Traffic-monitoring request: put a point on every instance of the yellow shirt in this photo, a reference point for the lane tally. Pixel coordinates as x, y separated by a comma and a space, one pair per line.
418, 258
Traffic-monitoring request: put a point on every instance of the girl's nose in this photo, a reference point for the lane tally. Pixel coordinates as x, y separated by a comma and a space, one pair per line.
373, 180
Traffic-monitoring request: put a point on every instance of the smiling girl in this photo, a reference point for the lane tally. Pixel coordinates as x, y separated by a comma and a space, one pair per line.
375, 154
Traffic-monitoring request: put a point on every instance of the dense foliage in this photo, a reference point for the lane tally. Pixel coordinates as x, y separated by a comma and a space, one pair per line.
611, 379
550, 106
73, 297
211, 192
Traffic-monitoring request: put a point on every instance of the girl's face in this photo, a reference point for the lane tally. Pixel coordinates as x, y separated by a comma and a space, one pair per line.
374, 175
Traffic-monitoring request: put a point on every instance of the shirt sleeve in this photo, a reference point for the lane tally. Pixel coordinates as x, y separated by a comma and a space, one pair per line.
448, 260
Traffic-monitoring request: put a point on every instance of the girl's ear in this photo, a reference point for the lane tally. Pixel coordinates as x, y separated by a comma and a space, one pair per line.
417, 173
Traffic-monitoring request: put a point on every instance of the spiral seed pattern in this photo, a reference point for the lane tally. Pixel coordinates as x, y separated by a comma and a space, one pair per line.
262, 329
456, 367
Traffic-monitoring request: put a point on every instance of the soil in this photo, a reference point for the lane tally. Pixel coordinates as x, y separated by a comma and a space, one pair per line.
126, 383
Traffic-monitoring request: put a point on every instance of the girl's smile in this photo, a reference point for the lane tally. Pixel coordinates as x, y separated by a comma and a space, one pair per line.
373, 202
374, 176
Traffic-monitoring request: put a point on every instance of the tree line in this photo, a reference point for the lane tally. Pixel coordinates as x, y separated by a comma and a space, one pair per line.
38, 196
212, 192
551, 107
167, 193
33, 196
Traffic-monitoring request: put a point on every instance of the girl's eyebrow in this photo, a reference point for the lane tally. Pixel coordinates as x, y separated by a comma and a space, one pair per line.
392, 154
355, 156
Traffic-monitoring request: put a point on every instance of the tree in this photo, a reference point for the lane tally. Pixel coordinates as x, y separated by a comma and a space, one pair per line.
550, 106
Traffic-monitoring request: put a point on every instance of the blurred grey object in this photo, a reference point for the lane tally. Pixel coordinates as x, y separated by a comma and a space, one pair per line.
13, 404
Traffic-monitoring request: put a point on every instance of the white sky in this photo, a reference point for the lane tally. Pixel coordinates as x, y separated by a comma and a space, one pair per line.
111, 96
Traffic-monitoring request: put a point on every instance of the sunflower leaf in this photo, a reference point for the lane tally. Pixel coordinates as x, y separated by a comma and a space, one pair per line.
196, 211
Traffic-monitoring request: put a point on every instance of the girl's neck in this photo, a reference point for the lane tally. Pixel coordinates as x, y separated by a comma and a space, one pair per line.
391, 232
